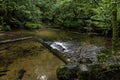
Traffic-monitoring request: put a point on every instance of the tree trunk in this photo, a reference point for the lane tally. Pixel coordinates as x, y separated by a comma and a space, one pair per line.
114, 27
14, 40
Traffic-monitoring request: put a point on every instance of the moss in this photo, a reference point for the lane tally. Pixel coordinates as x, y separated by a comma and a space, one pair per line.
98, 72
95, 72
66, 73
102, 57
30, 25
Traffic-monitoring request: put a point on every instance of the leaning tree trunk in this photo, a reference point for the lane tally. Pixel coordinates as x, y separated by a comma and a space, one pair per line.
114, 27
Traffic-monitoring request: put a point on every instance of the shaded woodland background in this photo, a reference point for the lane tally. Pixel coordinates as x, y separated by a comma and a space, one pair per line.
90, 15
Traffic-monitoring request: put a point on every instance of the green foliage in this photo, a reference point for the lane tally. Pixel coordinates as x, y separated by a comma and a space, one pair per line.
47, 8
16, 13
102, 57
97, 72
118, 17
65, 13
72, 13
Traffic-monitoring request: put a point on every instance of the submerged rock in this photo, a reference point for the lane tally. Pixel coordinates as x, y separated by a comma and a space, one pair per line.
68, 72
21, 74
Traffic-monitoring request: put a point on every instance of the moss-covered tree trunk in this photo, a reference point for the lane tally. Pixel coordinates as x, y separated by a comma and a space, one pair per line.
114, 27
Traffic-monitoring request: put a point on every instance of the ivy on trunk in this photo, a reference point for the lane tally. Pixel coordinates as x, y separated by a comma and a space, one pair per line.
114, 27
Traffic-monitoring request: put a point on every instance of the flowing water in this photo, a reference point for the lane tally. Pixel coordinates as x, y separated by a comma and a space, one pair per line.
29, 60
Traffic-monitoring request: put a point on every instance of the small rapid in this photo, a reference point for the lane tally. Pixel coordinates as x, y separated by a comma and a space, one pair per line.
77, 51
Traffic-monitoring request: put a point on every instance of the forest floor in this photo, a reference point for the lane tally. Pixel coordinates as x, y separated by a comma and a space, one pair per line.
26, 59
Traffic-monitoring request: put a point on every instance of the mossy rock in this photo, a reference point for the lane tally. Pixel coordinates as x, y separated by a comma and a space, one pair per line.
101, 72
30, 25
67, 73
95, 72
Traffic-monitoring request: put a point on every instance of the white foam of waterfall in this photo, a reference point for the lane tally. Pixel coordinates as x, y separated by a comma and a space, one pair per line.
59, 46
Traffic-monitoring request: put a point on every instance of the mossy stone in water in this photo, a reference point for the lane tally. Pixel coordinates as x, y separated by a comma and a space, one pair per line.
30, 25
95, 72
100, 72
67, 72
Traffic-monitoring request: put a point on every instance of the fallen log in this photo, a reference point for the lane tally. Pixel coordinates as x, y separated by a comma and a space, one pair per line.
66, 59
14, 40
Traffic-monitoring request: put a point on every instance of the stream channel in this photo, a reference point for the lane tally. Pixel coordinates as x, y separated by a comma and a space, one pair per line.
38, 63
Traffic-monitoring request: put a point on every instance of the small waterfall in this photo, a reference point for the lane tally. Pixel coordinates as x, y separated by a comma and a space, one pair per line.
59, 46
